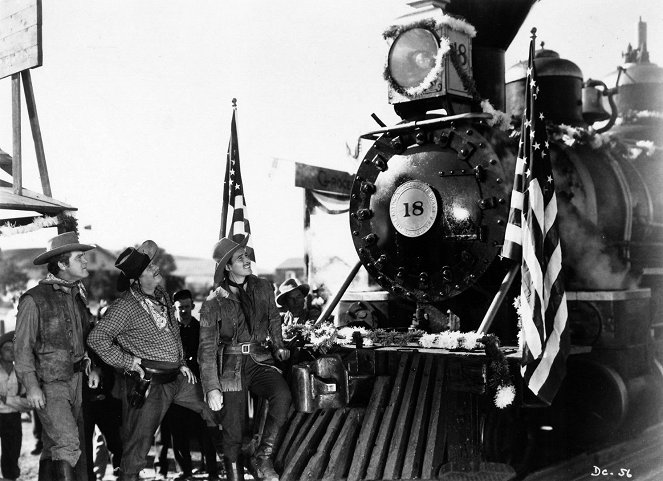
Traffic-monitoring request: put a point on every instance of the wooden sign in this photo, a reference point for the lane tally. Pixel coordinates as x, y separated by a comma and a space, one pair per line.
20, 36
323, 180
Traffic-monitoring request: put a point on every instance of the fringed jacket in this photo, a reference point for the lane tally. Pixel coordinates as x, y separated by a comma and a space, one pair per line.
223, 323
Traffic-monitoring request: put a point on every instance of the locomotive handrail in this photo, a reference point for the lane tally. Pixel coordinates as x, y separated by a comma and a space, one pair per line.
427, 123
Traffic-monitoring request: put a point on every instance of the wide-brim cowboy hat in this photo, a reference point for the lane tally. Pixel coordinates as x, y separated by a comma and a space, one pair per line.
7, 337
288, 286
67, 242
131, 264
222, 252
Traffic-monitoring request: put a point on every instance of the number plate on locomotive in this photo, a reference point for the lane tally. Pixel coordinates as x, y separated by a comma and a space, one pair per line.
413, 208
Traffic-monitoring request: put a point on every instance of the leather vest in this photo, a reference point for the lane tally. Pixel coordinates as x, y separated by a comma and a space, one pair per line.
54, 349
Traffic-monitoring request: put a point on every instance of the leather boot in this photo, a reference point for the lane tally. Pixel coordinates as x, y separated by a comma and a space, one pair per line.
63, 471
46, 470
264, 462
234, 470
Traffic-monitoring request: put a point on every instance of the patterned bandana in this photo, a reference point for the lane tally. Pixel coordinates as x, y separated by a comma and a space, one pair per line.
154, 308
66, 285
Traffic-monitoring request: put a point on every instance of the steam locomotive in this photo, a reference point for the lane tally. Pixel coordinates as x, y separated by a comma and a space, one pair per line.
430, 203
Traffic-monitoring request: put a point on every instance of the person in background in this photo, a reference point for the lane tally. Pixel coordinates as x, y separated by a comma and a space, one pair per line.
12, 404
235, 321
52, 323
181, 424
292, 296
140, 335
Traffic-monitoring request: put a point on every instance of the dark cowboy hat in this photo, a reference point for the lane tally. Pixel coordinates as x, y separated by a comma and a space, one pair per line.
7, 337
131, 263
223, 250
67, 242
288, 286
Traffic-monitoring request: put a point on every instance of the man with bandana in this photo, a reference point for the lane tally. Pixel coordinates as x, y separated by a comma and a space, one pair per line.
140, 335
51, 325
235, 322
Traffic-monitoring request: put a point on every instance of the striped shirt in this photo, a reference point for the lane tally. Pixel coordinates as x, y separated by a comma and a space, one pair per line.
129, 328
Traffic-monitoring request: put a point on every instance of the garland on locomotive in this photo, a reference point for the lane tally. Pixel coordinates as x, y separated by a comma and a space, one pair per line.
430, 203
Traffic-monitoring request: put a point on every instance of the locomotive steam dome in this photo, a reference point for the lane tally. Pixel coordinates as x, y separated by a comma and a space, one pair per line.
428, 210
561, 88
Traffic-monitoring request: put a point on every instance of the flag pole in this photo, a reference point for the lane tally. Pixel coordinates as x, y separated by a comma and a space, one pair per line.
498, 299
226, 180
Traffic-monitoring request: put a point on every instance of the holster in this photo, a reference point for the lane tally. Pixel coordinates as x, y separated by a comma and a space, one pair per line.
139, 390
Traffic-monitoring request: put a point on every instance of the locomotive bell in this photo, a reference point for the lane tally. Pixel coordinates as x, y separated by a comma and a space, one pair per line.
435, 215
592, 105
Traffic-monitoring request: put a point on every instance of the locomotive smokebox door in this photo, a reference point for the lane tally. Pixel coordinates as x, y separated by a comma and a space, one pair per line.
428, 210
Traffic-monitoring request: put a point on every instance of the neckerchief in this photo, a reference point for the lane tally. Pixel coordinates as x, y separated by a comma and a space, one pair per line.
66, 286
157, 310
245, 302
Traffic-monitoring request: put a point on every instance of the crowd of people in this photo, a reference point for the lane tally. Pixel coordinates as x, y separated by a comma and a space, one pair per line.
146, 364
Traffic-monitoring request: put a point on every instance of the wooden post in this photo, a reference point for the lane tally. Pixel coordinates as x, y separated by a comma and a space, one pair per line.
36, 132
17, 173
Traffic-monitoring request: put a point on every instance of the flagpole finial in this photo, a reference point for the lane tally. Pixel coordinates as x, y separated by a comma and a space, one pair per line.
234, 103
533, 33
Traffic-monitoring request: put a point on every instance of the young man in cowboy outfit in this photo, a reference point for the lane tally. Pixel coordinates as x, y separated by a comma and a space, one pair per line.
235, 322
52, 323
292, 296
140, 334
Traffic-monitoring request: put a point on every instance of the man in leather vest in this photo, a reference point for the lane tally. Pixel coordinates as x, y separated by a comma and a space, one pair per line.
51, 326
140, 334
235, 321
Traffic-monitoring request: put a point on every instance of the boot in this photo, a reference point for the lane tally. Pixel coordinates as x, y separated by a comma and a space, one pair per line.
263, 462
45, 470
234, 470
63, 471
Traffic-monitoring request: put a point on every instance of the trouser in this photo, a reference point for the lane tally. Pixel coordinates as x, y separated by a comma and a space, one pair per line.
263, 381
62, 423
140, 424
107, 415
11, 435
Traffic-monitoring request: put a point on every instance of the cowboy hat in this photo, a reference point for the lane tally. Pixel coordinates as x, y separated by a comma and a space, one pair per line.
7, 337
150, 248
67, 242
223, 250
131, 264
288, 286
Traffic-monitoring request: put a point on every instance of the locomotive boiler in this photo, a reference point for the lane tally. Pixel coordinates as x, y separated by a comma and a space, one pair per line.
430, 204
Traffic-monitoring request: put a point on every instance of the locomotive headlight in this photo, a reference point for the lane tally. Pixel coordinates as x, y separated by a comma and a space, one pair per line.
412, 57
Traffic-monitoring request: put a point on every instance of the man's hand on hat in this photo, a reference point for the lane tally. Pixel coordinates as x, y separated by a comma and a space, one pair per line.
215, 400
188, 374
36, 397
136, 367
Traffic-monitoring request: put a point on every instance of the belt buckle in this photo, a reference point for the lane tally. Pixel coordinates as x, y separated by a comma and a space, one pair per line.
246, 348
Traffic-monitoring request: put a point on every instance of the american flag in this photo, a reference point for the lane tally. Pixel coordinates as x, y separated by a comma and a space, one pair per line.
532, 238
233, 192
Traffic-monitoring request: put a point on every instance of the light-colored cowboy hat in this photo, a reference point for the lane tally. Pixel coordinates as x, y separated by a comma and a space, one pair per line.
223, 250
290, 285
67, 242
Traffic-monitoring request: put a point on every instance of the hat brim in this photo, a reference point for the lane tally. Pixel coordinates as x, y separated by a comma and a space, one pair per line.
218, 271
304, 288
46, 256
